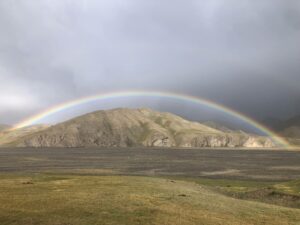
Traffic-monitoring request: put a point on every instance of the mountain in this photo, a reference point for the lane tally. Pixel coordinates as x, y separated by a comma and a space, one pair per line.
4, 127
217, 126
136, 127
289, 129
274, 124
286, 128
294, 121
225, 127
8, 136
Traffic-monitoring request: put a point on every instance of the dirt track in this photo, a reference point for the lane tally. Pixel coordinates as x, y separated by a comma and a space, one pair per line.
242, 164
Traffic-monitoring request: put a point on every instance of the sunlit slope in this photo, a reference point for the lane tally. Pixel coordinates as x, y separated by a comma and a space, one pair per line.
8, 136
115, 200
4, 127
137, 127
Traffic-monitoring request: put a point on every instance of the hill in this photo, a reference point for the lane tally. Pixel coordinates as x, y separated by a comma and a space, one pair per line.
4, 127
136, 127
289, 129
8, 136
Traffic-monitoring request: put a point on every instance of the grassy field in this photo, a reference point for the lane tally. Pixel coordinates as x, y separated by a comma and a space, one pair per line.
61, 199
278, 193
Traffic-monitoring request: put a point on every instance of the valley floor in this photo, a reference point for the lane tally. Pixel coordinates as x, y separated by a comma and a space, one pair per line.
210, 163
85, 200
148, 186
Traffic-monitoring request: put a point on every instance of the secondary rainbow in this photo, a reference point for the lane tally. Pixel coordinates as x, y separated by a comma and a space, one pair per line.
161, 94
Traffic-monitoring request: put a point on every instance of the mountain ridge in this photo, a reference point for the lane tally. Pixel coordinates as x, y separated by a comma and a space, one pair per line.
124, 127
288, 129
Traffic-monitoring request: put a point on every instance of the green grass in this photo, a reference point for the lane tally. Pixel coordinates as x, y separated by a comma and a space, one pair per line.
292, 187
228, 183
234, 185
278, 193
119, 200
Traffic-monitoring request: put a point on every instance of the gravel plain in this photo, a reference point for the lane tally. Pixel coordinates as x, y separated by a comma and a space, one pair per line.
277, 165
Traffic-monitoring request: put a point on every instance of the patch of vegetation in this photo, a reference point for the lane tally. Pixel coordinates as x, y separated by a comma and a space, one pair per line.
232, 185
74, 199
292, 187
278, 193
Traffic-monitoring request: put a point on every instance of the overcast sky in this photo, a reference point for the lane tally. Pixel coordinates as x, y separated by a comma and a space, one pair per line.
242, 53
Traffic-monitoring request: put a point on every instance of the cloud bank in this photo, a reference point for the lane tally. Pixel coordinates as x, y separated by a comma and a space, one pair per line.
244, 54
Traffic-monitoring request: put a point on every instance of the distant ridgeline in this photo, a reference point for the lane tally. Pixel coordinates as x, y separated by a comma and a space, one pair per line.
289, 129
131, 128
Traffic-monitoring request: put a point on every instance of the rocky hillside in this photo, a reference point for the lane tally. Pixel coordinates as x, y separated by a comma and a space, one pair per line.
136, 127
8, 136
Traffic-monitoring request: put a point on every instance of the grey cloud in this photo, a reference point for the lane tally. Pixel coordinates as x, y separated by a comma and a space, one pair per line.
243, 54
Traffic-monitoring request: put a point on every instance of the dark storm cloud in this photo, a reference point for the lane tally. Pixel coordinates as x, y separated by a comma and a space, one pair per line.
244, 54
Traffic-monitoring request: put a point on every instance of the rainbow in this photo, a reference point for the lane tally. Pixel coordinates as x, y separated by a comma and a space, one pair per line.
170, 95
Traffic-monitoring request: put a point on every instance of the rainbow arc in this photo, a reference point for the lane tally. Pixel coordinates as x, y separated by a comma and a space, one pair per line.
169, 95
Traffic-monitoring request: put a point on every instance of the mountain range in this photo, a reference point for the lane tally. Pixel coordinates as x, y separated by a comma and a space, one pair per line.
123, 127
289, 129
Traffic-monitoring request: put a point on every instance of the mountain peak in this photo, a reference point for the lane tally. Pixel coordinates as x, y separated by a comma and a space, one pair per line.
125, 127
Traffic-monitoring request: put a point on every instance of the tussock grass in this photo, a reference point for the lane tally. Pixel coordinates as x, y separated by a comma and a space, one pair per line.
274, 192
117, 200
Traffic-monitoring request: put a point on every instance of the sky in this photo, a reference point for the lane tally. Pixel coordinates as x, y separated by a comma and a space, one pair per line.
244, 54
